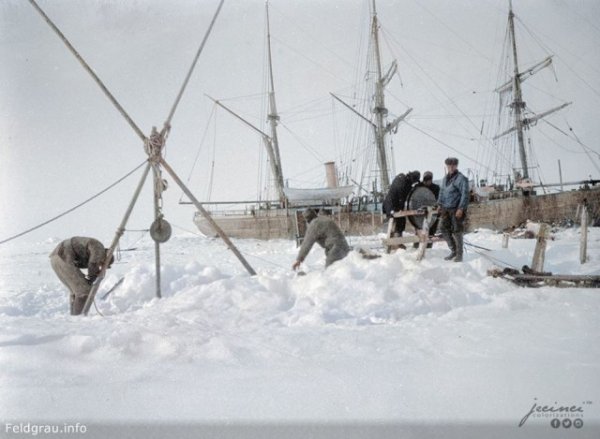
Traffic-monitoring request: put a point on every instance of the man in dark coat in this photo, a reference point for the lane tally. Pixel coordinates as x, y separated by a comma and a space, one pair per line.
453, 202
435, 189
395, 199
429, 184
67, 260
325, 232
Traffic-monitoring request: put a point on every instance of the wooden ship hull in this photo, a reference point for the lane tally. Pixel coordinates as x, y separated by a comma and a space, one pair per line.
287, 223
505, 213
498, 214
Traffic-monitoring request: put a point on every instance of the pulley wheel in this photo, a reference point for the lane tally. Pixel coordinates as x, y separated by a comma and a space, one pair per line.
160, 230
419, 197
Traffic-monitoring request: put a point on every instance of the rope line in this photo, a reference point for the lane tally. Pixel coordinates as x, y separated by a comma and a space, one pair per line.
194, 62
491, 258
73, 208
89, 70
446, 145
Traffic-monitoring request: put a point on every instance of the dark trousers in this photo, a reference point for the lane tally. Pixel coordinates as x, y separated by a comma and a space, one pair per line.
453, 229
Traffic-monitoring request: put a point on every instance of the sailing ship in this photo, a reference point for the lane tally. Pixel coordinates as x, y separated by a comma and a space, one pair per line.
281, 218
357, 210
502, 205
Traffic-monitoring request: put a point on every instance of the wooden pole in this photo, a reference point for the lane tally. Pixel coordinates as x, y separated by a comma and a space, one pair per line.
115, 242
560, 176
505, 237
209, 218
540, 249
157, 196
584, 230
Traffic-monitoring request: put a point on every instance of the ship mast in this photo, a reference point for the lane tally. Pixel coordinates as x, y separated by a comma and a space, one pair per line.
380, 111
273, 117
381, 127
517, 105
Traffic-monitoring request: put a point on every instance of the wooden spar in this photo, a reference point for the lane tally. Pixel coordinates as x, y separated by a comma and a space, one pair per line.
353, 110
88, 69
194, 62
207, 216
115, 242
269, 143
560, 176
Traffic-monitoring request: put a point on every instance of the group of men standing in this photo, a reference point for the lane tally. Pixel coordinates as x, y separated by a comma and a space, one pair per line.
452, 199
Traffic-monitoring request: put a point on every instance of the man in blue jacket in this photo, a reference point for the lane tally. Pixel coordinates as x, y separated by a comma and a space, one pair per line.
453, 201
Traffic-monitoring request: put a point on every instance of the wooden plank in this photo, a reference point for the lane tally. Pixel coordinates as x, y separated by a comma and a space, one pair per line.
561, 280
405, 213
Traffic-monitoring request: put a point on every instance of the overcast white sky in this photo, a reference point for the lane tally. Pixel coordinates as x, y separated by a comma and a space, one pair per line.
61, 140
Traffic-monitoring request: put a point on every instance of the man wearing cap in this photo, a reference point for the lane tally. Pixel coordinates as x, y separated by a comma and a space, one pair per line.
435, 189
325, 232
67, 260
395, 199
453, 201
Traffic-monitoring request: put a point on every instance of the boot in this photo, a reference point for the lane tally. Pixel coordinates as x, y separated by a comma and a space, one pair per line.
452, 246
78, 305
459, 247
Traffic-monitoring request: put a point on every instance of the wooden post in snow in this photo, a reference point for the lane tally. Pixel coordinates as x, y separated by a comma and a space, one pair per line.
584, 229
540, 249
505, 237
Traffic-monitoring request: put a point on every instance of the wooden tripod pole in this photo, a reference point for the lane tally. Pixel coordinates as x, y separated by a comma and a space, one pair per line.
209, 218
157, 196
115, 242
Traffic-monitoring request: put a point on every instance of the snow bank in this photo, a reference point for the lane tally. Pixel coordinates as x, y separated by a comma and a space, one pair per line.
383, 339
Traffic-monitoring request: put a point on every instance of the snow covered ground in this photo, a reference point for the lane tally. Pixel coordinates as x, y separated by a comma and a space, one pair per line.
431, 348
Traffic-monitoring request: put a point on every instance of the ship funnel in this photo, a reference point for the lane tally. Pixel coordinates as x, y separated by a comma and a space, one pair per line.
331, 174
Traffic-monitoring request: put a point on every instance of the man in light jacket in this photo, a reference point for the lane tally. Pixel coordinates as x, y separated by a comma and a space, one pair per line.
325, 232
453, 201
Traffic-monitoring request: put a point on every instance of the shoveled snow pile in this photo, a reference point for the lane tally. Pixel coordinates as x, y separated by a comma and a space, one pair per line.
389, 339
